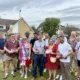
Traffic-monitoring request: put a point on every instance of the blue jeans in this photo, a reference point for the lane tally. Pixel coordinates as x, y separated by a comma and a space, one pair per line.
38, 63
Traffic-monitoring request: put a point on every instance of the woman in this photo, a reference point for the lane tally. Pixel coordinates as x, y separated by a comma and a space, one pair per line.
52, 63
24, 57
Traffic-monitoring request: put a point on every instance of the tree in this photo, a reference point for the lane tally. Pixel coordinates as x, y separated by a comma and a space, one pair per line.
69, 28
50, 25
34, 28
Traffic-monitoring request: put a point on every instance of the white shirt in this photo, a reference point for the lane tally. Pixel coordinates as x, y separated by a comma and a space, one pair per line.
77, 48
65, 39
64, 49
46, 42
39, 45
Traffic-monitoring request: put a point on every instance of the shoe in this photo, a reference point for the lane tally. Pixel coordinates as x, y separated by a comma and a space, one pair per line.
25, 76
33, 78
61, 77
5, 77
22, 75
49, 78
29, 70
42, 78
44, 70
57, 76
13, 75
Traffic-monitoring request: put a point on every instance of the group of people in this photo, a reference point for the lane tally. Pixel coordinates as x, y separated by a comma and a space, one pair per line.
43, 53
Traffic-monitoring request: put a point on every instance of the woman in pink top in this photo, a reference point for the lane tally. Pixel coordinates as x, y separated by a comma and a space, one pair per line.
24, 56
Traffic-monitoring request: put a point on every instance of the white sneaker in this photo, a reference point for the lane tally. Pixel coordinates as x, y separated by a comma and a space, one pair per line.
22, 75
57, 76
12, 72
61, 77
29, 70
6, 75
44, 70
25, 76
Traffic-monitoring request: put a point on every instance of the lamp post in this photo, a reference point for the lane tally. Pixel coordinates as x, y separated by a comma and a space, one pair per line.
19, 14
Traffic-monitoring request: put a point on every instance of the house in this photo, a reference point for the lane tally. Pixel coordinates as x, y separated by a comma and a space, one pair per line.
6, 24
15, 26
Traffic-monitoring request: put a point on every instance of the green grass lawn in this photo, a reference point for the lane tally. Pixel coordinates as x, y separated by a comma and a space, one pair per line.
29, 75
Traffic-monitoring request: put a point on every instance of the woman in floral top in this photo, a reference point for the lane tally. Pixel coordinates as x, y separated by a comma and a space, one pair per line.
24, 57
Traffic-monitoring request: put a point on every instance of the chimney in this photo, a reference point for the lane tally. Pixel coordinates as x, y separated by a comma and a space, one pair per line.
0, 17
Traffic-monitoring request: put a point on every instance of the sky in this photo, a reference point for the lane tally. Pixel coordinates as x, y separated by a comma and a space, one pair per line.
35, 11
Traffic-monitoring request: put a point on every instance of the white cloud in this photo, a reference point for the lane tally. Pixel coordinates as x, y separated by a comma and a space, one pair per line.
35, 11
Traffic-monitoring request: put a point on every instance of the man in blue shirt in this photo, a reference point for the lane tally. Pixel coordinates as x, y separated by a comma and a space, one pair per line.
39, 50
2, 51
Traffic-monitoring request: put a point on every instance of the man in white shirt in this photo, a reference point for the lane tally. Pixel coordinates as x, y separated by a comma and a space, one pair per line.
61, 33
39, 50
65, 50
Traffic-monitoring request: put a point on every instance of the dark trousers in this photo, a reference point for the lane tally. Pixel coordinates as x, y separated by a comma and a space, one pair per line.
38, 63
32, 56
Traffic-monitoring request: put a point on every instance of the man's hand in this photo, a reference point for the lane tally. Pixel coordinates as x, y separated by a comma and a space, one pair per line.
10, 51
64, 57
37, 51
16, 50
1, 51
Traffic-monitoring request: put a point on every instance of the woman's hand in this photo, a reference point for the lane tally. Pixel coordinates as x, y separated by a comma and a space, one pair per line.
29, 58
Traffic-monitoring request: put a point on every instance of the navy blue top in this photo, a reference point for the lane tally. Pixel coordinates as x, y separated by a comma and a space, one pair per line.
2, 43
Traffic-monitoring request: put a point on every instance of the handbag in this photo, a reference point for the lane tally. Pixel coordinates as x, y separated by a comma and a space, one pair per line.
53, 59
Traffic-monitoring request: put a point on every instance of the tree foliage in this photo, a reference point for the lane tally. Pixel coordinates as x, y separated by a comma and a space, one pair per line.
34, 28
50, 25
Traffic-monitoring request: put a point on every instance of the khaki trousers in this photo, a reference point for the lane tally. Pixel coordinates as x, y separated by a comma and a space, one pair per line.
65, 69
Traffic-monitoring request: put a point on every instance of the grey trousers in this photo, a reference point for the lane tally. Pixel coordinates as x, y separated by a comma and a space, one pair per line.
65, 70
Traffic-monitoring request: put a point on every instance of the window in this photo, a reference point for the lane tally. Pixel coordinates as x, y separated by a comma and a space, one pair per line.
2, 27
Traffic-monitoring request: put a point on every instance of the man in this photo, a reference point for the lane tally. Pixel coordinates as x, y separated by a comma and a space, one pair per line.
65, 50
2, 51
18, 37
61, 33
11, 47
43, 37
39, 50
32, 44
34, 39
73, 41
